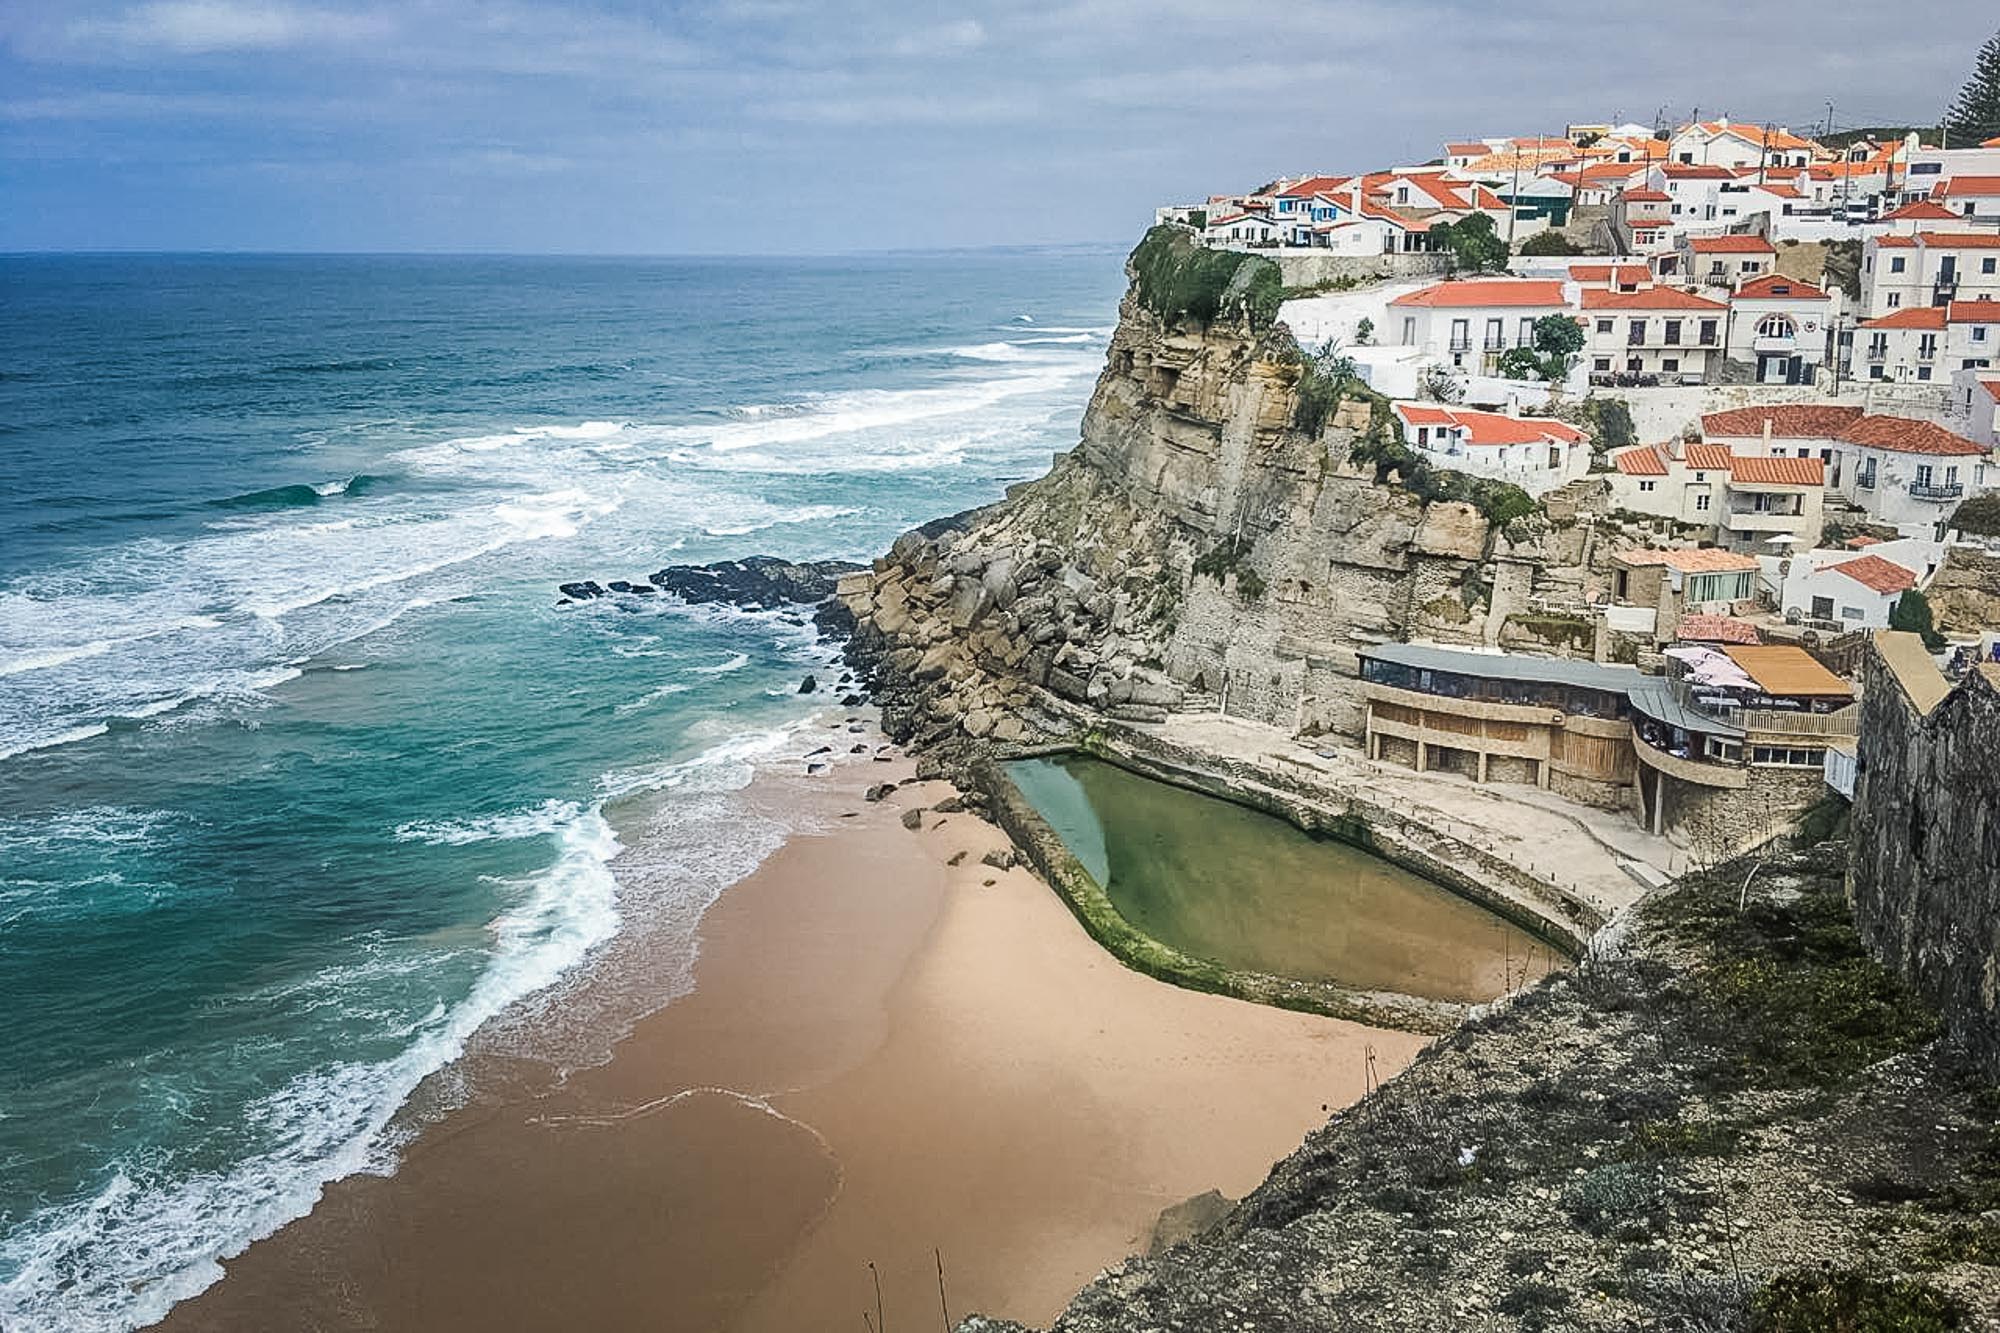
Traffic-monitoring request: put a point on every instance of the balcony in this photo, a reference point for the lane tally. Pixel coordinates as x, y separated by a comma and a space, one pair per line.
1750, 520
1717, 278
1927, 490
1878, 353
1945, 291
1778, 343
1459, 345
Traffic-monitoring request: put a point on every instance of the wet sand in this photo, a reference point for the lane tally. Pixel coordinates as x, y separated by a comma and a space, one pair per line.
885, 1058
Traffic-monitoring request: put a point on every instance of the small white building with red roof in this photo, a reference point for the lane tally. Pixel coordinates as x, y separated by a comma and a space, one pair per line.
1718, 261
1848, 591
1469, 322
1537, 454
1780, 327
1928, 267
1661, 332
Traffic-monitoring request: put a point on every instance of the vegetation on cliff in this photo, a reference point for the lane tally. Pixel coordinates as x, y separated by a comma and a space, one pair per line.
1177, 278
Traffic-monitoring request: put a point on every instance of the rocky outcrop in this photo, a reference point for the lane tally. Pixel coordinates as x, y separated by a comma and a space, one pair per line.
1196, 549
1965, 593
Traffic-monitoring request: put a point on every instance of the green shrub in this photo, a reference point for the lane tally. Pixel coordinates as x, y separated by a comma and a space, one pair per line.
1846, 1301
1979, 516
1912, 612
1177, 278
1551, 242
1614, 1198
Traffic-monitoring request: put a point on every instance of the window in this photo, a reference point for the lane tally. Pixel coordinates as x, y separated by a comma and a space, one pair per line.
1605, 325
1701, 501
1708, 330
1721, 747
1923, 474
1495, 335
1409, 329
1527, 331
1896, 264
1777, 326
1988, 264
1636, 334
1926, 168
1923, 372
1423, 436
1865, 477
1822, 608
1601, 363
1673, 334
1461, 334
1979, 333
1850, 613
1671, 363
1951, 475
1646, 486
1895, 299
1784, 756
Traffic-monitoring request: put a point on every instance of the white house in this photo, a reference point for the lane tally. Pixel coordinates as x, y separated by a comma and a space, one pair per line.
1641, 219
1849, 591
1537, 454
1744, 500
1693, 192
1928, 344
1927, 168
1655, 331
1779, 325
1470, 322
1234, 230
1909, 474
1973, 197
1928, 268
1723, 144
1976, 401
1722, 261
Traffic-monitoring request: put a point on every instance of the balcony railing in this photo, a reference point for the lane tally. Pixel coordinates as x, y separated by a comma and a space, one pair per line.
1799, 722
1936, 490
1460, 345
1774, 343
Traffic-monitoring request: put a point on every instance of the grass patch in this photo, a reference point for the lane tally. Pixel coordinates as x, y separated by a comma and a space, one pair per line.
1660, 1140
1177, 278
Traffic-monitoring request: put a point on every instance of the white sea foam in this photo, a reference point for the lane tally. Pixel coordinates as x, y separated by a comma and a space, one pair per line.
781, 517
123, 1257
651, 697
874, 409
735, 663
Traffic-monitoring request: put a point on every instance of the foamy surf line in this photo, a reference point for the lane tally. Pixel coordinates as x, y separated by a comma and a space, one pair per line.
123, 1257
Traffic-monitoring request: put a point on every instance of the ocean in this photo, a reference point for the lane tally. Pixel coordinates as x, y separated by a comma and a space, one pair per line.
305, 775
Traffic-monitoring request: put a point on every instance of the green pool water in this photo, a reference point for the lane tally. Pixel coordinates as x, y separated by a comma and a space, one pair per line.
1222, 882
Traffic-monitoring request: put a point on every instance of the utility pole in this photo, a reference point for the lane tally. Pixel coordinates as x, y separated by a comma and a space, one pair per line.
1763, 152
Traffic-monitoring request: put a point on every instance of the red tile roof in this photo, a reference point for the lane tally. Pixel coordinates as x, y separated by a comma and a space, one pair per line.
1708, 457
1905, 436
1689, 171
1897, 241
1973, 312
1872, 571
1922, 210
1856, 543
1916, 317
1474, 292
1491, 429
1313, 185
1967, 185
1653, 298
1992, 387
1611, 273
1640, 461
1714, 629
1961, 240
1468, 149
1778, 471
1789, 421
1730, 245
1689, 559
1776, 286
1647, 196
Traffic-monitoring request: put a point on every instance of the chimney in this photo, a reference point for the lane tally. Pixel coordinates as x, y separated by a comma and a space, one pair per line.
1767, 437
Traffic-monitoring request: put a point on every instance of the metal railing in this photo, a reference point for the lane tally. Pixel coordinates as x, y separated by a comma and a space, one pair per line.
1800, 723
1947, 490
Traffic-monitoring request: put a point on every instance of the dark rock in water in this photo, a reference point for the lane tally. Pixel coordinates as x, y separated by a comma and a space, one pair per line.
808, 685
620, 585
582, 591
849, 701
814, 769
878, 791
913, 819
564, 601
645, 589
824, 749
756, 582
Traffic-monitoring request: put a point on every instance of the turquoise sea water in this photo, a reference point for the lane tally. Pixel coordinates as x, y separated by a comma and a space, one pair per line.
302, 771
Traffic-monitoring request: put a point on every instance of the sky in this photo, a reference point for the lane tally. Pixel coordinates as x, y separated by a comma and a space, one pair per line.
794, 126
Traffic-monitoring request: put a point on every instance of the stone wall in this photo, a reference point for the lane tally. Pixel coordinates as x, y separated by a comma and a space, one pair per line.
1924, 865
1965, 594
1310, 270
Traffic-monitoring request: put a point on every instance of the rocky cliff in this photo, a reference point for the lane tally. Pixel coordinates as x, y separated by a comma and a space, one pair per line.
1227, 532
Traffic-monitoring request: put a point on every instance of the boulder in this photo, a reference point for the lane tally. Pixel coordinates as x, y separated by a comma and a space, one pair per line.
808, 685
913, 819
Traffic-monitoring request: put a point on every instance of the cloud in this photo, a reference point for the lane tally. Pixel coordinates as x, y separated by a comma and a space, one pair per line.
949, 39
200, 27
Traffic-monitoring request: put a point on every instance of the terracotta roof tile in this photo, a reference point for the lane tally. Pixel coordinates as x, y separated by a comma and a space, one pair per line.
1476, 292
1653, 298
1708, 457
1730, 245
1647, 196
1776, 286
1789, 421
1960, 186
1905, 436
1897, 242
1916, 317
1922, 210
1690, 559
1640, 461
1973, 312
1491, 429
1961, 240
1778, 471
1872, 571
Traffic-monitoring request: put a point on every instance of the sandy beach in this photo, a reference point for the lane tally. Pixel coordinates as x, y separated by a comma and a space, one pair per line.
893, 1053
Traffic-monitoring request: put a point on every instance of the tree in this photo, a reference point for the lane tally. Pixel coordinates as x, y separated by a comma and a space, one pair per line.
1550, 242
1471, 243
1975, 116
1364, 332
1912, 612
1558, 338
1439, 384
1520, 363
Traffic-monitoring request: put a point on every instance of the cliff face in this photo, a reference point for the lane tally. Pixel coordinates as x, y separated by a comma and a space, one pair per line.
1195, 548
